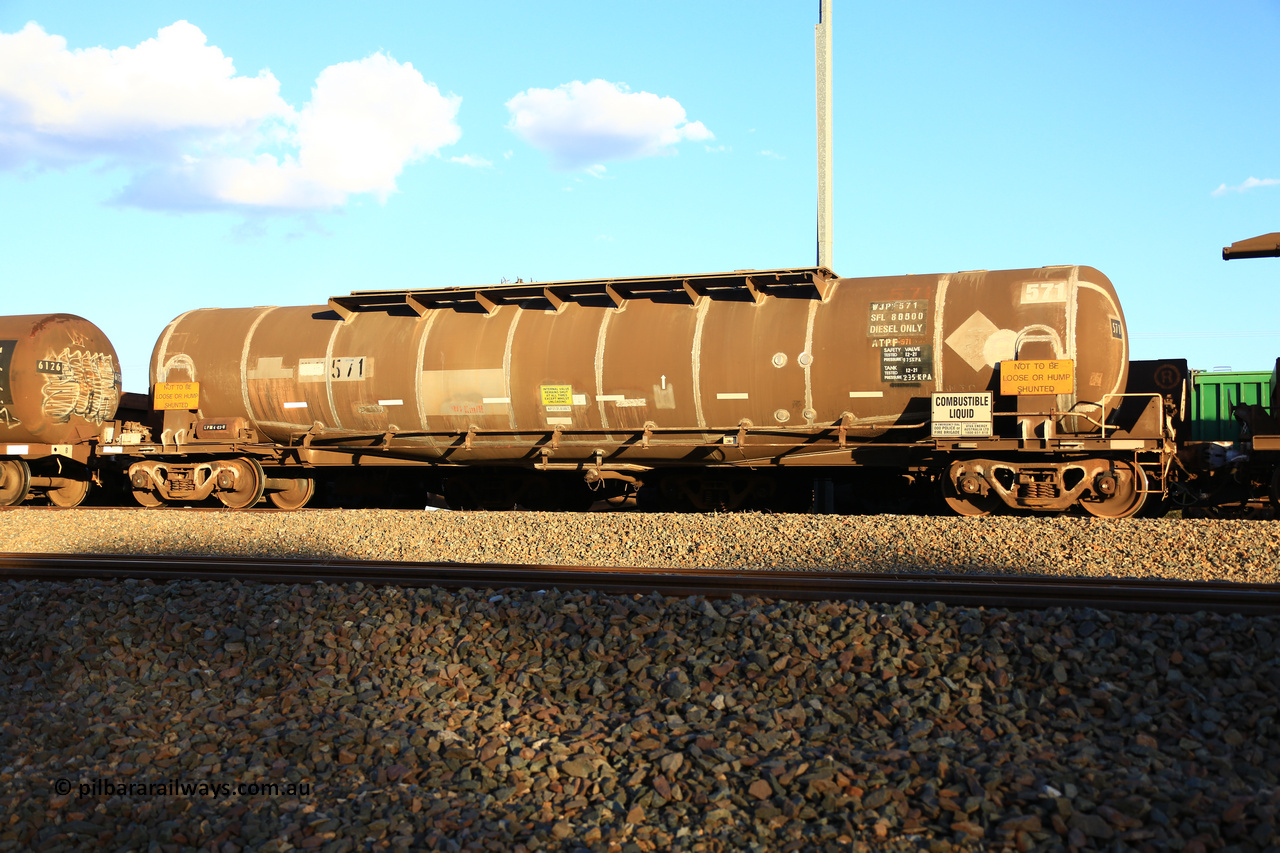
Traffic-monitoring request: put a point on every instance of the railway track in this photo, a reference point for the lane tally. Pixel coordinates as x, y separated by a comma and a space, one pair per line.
956, 590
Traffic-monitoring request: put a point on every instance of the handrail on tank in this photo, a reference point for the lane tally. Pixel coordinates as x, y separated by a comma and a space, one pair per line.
755, 283
1052, 413
1100, 424
1095, 421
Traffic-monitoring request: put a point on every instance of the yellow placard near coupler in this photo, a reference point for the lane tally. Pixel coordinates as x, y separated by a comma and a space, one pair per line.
1023, 378
176, 395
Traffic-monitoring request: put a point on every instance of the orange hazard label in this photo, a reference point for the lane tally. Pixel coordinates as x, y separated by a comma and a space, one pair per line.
1023, 378
176, 395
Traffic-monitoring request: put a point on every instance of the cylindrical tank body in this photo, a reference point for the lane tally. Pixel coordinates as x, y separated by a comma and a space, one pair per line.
59, 379
869, 354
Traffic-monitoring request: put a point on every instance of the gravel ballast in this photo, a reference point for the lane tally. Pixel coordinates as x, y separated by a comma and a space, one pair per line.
1200, 549
408, 719
335, 717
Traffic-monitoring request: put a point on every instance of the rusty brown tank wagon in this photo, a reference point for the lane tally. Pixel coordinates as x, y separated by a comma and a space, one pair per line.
59, 385
715, 391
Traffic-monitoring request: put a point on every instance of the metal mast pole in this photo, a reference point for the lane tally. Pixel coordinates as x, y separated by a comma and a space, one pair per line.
822, 56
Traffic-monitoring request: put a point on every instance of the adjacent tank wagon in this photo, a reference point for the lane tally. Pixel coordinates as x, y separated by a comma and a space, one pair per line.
726, 390
59, 384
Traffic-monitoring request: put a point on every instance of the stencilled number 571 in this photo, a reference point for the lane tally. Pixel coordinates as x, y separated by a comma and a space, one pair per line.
346, 369
1044, 291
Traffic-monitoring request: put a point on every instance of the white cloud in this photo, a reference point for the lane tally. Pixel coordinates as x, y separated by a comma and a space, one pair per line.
471, 160
596, 171
173, 112
72, 103
773, 155
1249, 184
582, 124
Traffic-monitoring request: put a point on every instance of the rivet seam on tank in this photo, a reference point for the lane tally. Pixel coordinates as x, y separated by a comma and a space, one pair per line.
601, 338
244, 362
328, 374
939, 314
506, 364
1067, 401
1124, 344
1073, 311
419, 401
805, 359
163, 349
177, 361
696, 357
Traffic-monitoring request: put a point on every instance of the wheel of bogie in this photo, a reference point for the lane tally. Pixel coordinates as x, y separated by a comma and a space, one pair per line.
148, 498
1129, 498
972, 506
249, 485
72, 494
15, 481
295, 497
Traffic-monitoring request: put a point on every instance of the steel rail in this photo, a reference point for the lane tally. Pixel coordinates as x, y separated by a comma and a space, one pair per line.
1000, 591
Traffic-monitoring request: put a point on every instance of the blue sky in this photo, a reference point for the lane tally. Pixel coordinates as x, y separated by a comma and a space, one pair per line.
252, 154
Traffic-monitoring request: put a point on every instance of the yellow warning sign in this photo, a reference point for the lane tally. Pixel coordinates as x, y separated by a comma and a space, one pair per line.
1023, 378
557, 395
176, 395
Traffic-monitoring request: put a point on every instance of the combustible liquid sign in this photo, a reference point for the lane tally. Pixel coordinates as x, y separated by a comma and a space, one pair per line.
177, 395
961, 415
1023, 378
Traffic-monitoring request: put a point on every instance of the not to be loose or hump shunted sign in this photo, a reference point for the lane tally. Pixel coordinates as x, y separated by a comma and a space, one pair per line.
176, 395
1050, 376
966, 415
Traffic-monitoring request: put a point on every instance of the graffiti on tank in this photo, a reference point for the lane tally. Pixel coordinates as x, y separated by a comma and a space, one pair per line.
79, 383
